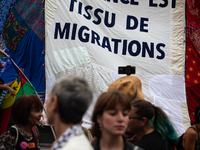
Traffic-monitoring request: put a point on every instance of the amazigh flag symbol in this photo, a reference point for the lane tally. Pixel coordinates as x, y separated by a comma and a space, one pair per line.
5, 107
9, 99
26, 88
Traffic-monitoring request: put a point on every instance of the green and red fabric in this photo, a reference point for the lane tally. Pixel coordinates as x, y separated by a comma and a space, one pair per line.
26, 88
2, 54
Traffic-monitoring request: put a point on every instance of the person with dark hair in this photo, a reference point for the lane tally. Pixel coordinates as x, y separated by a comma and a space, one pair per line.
191, 138
26, 112
152, 126
132, 87
110, 119
68, 101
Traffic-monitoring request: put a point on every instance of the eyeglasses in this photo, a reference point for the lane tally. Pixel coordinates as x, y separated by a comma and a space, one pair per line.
135, 117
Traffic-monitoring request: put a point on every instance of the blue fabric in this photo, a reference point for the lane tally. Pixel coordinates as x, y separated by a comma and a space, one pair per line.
5, 61
30, 56
5, 8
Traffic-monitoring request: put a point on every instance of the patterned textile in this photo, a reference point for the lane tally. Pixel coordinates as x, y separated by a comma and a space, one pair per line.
32, 13
8, 138
192, 69
28, 55
5, 8
14, 29
22, 39
67, 135
5, 61
193, 43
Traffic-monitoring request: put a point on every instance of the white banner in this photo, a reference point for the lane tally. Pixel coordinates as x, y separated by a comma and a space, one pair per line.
92, 38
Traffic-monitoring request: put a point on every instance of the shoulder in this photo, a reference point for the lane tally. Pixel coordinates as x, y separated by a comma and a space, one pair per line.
8, 139
129, 146
151, 140
151, 136
190, 134
144, 144
191, 131
87, 133
12, 130
36, 131
78, 142
95, 143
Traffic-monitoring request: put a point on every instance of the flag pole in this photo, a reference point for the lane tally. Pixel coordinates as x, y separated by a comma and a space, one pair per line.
31, 85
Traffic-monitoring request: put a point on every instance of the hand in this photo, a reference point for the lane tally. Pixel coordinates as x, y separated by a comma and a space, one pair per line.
22, 70
12, 91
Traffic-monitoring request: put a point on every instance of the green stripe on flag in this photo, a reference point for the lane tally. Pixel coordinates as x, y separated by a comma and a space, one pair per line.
2, 54
26, 89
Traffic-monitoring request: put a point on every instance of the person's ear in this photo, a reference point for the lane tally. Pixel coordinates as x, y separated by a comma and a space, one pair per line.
99, 119
55, 103
144, 121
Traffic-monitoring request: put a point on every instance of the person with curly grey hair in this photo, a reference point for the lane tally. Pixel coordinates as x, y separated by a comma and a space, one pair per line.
68, 101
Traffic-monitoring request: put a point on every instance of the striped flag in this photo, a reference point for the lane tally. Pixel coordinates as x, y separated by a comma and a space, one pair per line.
21, 88
9, 99
25, 87
5, 107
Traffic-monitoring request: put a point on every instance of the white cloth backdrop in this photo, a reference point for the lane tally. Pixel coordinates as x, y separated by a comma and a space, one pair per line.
91, 38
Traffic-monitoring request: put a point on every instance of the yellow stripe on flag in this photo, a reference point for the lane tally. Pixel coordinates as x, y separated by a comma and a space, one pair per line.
9, 99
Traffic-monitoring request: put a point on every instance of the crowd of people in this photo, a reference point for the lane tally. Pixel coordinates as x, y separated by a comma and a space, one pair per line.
122, 119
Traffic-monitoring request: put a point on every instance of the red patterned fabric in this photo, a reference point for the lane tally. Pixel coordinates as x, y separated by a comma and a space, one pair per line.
192, 67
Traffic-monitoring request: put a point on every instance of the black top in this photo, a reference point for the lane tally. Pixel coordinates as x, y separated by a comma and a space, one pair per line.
127, 145
8, 139
154, 141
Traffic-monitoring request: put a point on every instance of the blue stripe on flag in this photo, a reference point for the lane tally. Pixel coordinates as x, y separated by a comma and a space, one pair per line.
3, 94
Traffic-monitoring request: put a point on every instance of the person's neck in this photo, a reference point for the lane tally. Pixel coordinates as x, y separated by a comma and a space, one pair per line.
25, 128
145, 132
60, 128
111, 142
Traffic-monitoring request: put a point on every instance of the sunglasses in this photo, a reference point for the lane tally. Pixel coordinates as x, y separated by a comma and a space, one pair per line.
135, 117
